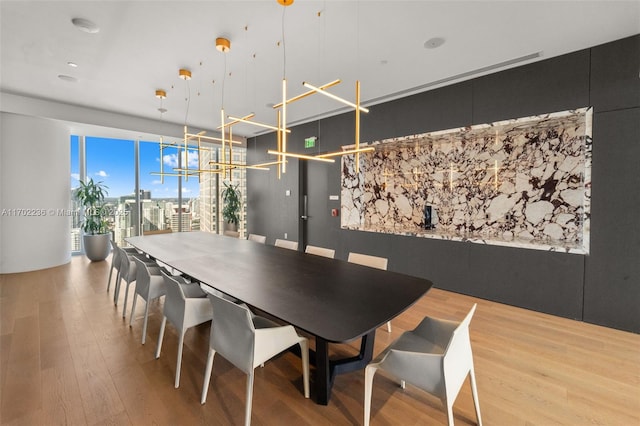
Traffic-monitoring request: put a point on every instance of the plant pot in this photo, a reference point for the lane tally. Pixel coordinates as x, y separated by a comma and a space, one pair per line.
96, 247
228, 226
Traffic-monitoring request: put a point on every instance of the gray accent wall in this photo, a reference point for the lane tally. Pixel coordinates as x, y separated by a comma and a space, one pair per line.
602, 287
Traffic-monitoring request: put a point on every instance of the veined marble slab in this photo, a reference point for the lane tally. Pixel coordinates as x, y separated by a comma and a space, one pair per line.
523, 183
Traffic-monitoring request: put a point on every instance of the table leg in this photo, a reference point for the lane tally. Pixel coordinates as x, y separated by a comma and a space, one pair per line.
326, 370
324, 377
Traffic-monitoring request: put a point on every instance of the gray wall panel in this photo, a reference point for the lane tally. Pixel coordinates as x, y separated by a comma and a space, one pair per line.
612, 284
552, 85
603, 287
615, 75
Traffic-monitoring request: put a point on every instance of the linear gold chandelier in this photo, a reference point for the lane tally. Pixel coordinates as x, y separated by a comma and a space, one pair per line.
356, 106
193, 141
281, 150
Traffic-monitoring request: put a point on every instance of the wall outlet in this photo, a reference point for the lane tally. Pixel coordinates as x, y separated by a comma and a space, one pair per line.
285, 235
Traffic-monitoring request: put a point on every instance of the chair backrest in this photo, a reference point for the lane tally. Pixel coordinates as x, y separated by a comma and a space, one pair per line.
291, 245
258, 238
127, 270
367, 260
174, 302
143, 277
115, 261
320, 251
458, 358
233, 332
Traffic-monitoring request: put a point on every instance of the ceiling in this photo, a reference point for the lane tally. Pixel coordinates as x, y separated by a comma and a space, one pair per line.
141, 45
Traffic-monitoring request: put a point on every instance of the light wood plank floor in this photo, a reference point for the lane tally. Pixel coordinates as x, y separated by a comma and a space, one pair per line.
68, 357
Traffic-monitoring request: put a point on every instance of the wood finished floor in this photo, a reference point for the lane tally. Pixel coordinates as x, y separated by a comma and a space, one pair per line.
68, 357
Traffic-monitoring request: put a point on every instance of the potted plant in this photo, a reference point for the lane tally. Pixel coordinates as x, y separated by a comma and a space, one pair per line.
96, 235
231, 206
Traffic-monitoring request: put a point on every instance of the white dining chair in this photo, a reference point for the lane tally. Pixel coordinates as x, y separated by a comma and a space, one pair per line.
372, 262
128, 274
149, 286
291, 245
185, 306
257, 238
115, 261
320, 251
247, 341
435, 357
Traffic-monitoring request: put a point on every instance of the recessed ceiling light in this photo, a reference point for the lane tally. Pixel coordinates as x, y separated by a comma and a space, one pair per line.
433, 43
85, 25
72, 64
68, 78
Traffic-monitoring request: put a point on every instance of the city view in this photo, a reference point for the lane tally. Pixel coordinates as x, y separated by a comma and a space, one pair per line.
112, 162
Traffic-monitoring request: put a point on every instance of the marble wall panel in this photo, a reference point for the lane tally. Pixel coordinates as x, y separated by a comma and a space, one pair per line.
523, 182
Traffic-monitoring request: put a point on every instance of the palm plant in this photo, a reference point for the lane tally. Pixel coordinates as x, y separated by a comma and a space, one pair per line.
231, 199
91, 195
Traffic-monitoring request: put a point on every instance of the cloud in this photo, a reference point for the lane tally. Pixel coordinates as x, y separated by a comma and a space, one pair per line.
171, 160
75, 176
156, 182
185, 190
101, 173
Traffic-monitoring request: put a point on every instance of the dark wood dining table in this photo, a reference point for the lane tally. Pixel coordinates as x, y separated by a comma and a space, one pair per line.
332, 300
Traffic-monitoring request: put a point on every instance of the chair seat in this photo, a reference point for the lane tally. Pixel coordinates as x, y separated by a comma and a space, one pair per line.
262, 322
410, 342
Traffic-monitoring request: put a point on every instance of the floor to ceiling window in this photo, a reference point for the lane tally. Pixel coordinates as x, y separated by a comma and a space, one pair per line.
162, 203
168, 203
112, 162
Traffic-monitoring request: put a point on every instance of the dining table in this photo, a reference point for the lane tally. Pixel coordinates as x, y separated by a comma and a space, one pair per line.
330, 299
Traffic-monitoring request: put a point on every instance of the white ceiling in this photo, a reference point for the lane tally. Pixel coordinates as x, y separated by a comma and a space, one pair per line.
142, 44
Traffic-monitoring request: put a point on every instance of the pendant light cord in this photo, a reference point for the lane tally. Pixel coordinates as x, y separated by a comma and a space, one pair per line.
224, 78
284, 48
188, 99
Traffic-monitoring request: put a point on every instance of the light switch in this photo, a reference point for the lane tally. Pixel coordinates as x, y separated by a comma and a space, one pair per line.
287, 192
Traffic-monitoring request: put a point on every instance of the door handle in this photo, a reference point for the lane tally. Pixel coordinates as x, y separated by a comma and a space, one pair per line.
305, 212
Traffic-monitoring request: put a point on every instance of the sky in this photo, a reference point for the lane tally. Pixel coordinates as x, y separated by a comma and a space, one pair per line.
112, 162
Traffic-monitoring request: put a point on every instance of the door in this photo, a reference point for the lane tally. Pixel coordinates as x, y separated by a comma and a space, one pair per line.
315, 209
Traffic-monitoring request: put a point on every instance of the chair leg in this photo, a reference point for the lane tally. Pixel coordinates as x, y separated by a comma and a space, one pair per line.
304, 350
109, 279
146, 320
126, 296
389, 326
247, 409
474, 393
179, 362
369, 372
207, 376
116, 292
161, 336
449, 406
133, 308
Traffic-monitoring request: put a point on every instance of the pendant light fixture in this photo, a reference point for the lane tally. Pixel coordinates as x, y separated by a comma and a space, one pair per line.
281, 150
